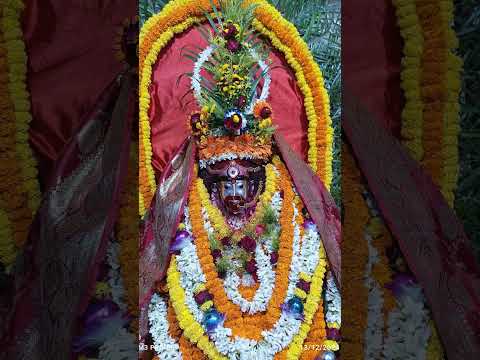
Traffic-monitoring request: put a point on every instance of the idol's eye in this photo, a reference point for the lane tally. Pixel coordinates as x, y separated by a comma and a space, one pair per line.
227, 186
240, 185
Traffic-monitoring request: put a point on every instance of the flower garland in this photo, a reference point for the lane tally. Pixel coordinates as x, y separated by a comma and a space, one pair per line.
287, 332
412, 113
354, 258
147, 183
408, 328
235, 320
216, 216
279, 331
19, 185
176, 17
127, 232
159, 327
431, 83
192, 330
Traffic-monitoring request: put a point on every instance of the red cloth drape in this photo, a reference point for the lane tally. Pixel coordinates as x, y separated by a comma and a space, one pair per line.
170, 107
71, 60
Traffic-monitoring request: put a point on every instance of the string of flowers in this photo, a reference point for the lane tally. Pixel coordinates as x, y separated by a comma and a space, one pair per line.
247, 326
159, 327
311, 307
192, 330
320, 134
127, 232
431, 83
18, 179
354, 259
412, 113
147, 183
152, 40
191, 274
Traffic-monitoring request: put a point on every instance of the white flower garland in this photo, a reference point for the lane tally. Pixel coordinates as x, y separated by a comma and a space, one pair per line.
408, 328
166, 347
197, 67
115, 280
333, 301
282, 333
225, 156
266, 277
121, 346
374, 329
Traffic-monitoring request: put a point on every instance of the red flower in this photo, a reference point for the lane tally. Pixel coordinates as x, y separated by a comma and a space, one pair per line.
202, 297
251, 267
230, 31
248, 243
241, 102
266, 112
233, 45
226, 241
303, 285
216, 254
333, 334
273, 257
259, 229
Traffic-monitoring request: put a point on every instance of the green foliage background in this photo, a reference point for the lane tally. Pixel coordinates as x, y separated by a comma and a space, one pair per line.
318, 22
467, 204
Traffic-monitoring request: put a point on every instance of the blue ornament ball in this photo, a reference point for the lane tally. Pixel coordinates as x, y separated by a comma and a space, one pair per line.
212, 319
295, 305
328, 355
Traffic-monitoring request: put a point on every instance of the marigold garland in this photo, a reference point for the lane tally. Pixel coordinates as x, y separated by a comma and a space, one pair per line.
176, 17
18, 179
147, 183
247, 326
192, 330
354, 258
127, 232
431, 84
311, 306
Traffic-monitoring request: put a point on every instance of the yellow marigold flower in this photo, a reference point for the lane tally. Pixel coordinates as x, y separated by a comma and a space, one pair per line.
102, 289
333, 325
206, 305
199, 287
331, 345
305, 277
300, 293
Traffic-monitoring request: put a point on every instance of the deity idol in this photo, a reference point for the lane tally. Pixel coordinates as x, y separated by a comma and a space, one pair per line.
240, 249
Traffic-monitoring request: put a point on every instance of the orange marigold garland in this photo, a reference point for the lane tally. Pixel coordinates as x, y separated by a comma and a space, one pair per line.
127, 232
235, 320
354, 259
19, 186
431, 84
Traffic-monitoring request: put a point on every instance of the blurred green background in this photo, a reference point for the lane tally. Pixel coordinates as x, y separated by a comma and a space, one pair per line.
467, 203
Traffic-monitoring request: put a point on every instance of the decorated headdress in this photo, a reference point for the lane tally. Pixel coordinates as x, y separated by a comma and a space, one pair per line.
230, 83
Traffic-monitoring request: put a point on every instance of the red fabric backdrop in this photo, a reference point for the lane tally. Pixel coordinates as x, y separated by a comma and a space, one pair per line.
71, 60
168, 112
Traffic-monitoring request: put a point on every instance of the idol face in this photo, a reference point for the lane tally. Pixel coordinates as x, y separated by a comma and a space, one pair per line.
235, 185
233, 195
